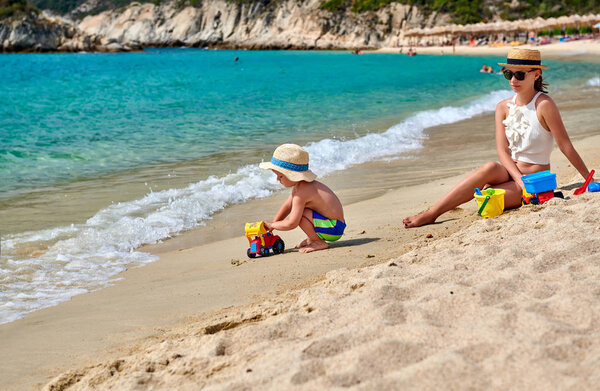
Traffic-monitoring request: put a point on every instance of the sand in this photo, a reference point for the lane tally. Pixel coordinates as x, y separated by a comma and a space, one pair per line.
509, 302
505, 303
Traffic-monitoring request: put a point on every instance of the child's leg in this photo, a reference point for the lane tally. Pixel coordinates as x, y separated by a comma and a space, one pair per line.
491, 173
313, 242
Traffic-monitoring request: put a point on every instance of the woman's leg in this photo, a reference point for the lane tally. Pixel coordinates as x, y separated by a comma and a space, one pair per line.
491, 173
512, 197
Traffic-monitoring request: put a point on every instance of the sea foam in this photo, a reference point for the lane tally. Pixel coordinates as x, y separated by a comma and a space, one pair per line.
86, 257
594, 82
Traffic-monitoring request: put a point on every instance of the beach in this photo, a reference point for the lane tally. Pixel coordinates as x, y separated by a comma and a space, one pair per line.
582, 50
499, 303
476, 303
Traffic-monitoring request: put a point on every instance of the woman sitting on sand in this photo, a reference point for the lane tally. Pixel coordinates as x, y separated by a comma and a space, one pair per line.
526, 127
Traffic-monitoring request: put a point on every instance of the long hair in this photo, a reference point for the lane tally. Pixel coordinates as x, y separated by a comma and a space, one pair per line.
540, 85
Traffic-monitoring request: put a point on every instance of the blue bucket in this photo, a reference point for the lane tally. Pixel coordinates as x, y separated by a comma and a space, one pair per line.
539, 182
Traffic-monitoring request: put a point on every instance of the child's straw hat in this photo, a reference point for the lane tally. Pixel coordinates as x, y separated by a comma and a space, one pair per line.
292, 161
524, 58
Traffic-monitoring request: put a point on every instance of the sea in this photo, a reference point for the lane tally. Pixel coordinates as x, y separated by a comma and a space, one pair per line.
101, 154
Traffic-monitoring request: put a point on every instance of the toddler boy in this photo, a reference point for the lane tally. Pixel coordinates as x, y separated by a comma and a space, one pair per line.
309, 202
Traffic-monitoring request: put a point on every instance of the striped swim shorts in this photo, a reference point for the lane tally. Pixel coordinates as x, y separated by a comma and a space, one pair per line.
328, 229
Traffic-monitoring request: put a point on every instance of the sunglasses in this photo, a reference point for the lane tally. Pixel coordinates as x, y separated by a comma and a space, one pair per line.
519, 75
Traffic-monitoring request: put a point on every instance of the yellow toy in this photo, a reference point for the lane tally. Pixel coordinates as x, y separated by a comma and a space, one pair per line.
261, 241
490, 202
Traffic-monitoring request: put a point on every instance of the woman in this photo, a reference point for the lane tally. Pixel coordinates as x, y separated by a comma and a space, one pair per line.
526, 127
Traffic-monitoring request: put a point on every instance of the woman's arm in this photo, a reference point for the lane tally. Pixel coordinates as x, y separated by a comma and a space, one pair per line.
502, 145
553, 122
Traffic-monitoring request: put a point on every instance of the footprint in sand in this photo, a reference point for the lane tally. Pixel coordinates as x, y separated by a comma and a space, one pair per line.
327, 347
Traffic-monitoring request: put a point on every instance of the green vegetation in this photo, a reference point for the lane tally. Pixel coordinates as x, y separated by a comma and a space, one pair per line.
473, 11
10, 8
61, 6
463, 11
336, 5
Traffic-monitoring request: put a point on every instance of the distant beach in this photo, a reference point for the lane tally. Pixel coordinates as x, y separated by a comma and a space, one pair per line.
201, 283
583, 50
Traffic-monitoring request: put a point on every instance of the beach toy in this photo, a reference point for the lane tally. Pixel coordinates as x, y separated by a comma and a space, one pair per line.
490, 204
477, 191
539, 188
539, 182
261, 241
594, 187
582, 189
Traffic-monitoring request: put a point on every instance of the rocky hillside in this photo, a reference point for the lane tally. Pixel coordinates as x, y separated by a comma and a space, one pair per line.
38, 32
287, 24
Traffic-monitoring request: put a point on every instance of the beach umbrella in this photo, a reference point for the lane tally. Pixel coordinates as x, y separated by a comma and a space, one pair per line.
457, 29
589, 19
439, 30
522, 25
565, 21
413, 32
552, 23
538, 24
485, 27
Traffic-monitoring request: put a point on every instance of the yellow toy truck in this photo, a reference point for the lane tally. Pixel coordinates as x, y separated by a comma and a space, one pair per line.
261, 241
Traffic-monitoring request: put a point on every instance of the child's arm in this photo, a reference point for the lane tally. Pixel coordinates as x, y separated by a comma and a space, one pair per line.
294, 217
285, 209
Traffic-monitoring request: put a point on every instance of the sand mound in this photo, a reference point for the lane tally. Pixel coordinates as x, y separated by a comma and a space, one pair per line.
507, 303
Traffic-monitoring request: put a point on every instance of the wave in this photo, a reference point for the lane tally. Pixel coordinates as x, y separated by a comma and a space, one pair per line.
86, 257
594, 82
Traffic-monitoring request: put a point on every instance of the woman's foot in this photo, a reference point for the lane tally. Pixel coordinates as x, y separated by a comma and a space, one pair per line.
418, 220
314, 246
303, 243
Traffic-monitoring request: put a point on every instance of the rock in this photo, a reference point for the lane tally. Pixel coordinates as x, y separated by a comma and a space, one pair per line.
286, 24
45, 33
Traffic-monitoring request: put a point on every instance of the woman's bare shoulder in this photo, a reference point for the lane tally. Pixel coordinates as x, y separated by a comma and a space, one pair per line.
545, 102
502, 106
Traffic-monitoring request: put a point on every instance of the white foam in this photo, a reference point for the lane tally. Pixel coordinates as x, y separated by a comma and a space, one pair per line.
594, 82
85, 257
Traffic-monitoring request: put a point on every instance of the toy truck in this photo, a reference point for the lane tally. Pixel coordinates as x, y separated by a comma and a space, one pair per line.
261, 241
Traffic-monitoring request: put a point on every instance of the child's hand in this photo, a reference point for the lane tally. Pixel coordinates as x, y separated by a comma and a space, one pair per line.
268, 226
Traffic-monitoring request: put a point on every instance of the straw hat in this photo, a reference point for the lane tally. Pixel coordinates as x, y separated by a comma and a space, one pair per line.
523, 58
292, 161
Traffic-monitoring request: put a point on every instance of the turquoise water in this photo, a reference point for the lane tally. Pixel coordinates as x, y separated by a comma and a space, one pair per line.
68, 117
84, 118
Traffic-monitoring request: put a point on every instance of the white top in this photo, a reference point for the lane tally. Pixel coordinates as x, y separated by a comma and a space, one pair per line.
528, 141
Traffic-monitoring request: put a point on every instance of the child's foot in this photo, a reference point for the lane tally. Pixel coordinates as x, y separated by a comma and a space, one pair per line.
314, 246
418, 220
303, 243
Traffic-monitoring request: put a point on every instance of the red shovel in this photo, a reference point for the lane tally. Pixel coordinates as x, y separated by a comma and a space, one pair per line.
583, 188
